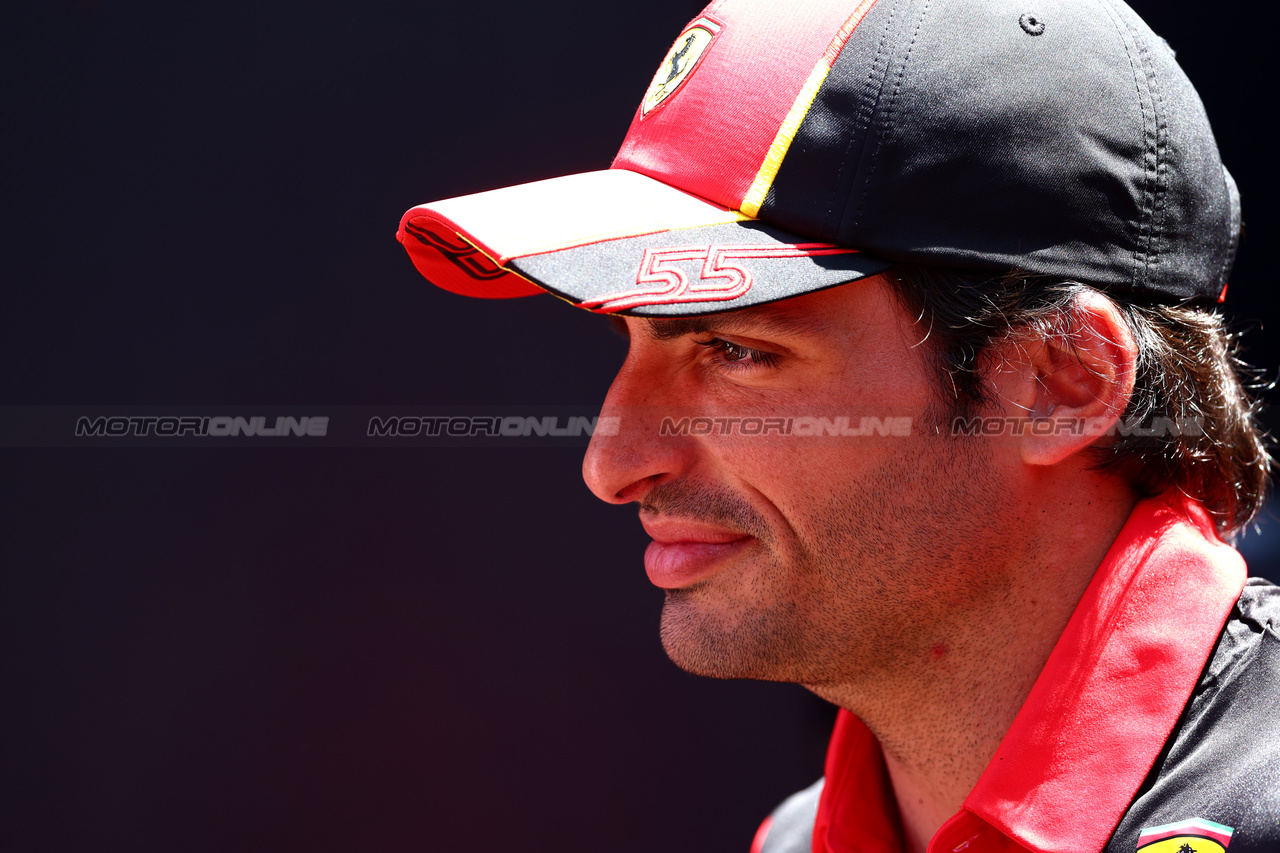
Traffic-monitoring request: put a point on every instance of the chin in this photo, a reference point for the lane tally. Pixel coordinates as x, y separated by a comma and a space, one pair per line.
724, 645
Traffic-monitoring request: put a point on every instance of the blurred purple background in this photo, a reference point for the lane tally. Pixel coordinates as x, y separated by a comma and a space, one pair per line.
376, 649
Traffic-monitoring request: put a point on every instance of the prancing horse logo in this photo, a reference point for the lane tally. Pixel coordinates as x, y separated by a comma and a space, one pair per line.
683, 57
676, 67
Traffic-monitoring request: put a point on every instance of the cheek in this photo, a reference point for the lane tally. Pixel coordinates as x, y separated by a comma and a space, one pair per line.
793, 458
809, 489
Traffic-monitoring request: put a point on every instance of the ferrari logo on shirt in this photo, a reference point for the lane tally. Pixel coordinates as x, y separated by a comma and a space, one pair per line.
679, 62
1186, 836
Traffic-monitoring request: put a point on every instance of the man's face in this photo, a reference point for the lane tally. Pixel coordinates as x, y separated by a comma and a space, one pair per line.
815, 559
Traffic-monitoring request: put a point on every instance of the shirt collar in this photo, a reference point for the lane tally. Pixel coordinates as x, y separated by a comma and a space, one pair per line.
1097, 716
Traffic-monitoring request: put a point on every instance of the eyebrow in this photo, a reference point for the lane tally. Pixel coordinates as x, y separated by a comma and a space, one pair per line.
767, 319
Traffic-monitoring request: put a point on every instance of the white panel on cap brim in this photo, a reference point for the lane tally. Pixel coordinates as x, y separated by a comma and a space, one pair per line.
575, 210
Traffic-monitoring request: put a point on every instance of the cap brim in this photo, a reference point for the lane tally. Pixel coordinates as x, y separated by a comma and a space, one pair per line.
616, 241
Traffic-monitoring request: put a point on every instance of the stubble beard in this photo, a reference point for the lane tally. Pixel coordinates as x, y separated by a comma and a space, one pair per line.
746, 641
844, 606
742, 640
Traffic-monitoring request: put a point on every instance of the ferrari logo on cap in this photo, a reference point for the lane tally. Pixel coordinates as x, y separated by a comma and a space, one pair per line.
680, 62
1186, 836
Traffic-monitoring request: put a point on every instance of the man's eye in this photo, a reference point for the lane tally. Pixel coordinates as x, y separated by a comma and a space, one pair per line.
736, 355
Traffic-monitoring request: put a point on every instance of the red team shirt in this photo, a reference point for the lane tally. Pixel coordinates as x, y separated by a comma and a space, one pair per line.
1094, 723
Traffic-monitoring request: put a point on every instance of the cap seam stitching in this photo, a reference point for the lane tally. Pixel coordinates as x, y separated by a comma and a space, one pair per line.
869, 111
1142, 241
889, 113
1162, 161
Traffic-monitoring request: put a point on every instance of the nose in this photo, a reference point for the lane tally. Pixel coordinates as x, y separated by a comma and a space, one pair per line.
623, 463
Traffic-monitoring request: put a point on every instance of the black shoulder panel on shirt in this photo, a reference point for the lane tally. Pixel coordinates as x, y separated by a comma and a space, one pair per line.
792, 829
1222, 762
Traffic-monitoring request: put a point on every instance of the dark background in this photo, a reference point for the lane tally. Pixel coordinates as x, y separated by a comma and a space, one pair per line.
376, 649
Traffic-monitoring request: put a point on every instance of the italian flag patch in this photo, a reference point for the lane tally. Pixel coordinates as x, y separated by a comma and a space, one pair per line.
1186, 836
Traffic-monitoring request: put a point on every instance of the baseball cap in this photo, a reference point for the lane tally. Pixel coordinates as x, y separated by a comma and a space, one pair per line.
784, 147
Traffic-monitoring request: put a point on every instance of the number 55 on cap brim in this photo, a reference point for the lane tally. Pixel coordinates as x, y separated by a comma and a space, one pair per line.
616, 241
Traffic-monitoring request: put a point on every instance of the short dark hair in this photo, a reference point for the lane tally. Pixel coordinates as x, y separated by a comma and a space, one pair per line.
1188, 371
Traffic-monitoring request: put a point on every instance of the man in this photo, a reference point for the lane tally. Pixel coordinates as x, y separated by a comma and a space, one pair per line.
925, 409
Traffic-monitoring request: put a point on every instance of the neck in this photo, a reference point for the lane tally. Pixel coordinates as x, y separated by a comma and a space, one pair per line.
940, 719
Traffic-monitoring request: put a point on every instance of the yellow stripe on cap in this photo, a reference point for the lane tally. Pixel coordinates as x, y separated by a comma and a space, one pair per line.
755, 196
782, 142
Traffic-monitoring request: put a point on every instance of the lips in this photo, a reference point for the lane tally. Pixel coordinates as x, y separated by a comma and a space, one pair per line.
683, 552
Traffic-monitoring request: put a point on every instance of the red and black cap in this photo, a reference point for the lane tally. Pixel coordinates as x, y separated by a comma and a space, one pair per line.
785, 147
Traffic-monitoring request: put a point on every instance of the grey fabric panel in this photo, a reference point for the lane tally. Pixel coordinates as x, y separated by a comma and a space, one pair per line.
610, 267
792, 830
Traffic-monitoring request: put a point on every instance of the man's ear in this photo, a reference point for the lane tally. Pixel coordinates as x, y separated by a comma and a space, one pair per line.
1071, 388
